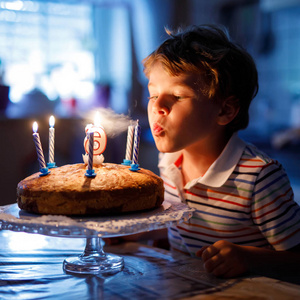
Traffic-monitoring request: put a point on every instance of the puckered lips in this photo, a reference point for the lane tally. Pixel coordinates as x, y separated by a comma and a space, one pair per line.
157, 129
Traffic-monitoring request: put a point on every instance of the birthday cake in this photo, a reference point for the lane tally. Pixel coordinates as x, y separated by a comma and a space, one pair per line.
67, 191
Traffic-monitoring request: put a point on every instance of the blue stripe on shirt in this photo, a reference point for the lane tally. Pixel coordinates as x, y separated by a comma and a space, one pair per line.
242, 180
283, 222
269, 184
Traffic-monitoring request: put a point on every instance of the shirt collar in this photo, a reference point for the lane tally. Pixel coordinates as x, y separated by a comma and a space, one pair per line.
219, 171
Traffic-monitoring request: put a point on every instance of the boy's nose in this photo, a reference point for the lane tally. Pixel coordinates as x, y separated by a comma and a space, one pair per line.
161, 106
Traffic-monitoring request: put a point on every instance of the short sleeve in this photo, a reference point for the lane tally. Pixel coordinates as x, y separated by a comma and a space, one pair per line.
274, 210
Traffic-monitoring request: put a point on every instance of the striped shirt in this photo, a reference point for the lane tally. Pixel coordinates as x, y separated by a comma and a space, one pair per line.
245, 197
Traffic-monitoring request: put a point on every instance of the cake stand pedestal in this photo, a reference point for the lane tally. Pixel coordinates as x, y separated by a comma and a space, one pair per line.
93, 260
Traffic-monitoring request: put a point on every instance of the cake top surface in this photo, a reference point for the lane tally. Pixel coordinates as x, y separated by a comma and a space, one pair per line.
72, 178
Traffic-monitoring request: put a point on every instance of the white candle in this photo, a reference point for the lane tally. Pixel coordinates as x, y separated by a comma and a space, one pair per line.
137, 134
129, 142
51, 139
38, 146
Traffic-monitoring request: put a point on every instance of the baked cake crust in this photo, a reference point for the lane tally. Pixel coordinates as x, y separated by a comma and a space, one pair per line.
67, 191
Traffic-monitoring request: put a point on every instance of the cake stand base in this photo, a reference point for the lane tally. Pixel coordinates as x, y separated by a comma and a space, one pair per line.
94, 260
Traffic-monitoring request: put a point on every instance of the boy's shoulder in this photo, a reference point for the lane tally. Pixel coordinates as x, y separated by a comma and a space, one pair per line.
253, 157
252, 152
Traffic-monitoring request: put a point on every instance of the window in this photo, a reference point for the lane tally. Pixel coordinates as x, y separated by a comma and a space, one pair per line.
48, 46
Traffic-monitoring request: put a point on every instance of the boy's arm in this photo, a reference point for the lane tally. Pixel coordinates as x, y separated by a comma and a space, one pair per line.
225, 259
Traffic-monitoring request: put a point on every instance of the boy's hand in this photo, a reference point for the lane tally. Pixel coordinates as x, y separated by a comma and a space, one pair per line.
224, 259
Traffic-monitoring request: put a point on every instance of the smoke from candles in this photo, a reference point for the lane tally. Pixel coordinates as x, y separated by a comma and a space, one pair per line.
113, 123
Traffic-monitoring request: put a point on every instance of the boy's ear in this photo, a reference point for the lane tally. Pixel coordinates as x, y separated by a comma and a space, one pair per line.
228, 110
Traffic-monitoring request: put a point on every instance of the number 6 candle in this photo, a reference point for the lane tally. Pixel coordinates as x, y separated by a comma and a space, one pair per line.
51, 163
94, 148
38, 146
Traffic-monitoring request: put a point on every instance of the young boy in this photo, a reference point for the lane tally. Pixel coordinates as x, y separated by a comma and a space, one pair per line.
201, 85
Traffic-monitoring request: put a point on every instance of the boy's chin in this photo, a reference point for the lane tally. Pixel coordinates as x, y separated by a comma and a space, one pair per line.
165, 146
165, 149
162, 149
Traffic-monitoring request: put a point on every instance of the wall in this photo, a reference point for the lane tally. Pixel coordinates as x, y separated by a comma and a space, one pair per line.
272, 36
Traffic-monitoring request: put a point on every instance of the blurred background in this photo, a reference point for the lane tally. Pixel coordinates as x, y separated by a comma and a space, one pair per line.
66, 58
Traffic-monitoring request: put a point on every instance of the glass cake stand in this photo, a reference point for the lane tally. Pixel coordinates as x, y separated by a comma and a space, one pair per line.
93, 260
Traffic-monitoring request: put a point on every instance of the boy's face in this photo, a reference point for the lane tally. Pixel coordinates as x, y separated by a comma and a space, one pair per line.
180, 116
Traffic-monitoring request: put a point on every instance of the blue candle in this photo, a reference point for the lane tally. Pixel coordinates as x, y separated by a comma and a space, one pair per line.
90, 172
91, 149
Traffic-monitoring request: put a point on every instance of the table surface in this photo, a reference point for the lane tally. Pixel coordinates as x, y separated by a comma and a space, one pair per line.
31, 268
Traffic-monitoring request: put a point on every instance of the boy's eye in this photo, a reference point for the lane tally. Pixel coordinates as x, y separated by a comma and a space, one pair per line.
179, 97
152, 97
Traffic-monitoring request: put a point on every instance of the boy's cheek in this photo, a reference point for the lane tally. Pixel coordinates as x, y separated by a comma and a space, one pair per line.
149, 110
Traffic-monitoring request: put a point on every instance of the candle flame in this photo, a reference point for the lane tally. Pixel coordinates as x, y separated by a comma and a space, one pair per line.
51, 121
97, 119
35, 127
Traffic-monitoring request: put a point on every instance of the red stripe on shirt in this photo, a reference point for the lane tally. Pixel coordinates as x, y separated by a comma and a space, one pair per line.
271, 202
252, 166
285, 238
223, 193
271, 211
217, 199
169, 185
216, 236
214, 229
178, 162
247, 159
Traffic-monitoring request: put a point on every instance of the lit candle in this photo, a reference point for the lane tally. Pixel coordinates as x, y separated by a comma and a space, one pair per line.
130, 132
136, 146
36, 138
51, 163
100, 138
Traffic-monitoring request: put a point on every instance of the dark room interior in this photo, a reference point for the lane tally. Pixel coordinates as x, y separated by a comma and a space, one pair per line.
76, 56
234, 235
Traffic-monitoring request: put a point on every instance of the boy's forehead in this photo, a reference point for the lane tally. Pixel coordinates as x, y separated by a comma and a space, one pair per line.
181, 79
